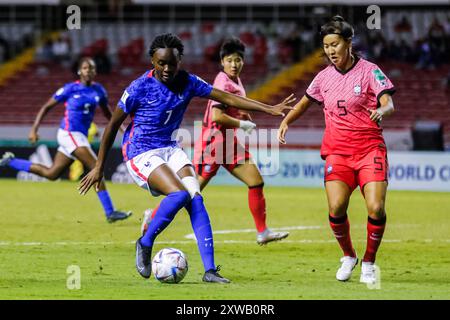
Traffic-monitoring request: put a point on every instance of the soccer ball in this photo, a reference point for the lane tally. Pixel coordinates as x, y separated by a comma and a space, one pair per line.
169, 265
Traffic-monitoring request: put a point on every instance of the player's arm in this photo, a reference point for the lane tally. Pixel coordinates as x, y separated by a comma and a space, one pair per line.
386, 108
108, 114
95, 176
249, 104
33, 136
293, 115
222, 118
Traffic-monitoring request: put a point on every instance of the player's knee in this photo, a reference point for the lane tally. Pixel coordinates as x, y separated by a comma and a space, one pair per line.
52, 175
376, 209
192, 186
337, 208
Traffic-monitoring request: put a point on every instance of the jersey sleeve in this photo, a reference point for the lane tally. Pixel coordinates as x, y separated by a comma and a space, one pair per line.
379, 84
220, 83
103, 96
63, 93
199, 86
128, 101
313, 92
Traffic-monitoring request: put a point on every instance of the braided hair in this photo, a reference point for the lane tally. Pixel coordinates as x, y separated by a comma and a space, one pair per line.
166, 40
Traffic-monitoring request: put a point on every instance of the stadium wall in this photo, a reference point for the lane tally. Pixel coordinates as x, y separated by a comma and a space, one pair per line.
425, 171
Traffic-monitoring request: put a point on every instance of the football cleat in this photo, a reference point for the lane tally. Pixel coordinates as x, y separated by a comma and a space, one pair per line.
118, 215
6, 158
368, 273
143, 259
214, 276
146, 220
345, 271
268, 236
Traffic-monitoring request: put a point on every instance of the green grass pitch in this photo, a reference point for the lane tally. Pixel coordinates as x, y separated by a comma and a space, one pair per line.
46, 227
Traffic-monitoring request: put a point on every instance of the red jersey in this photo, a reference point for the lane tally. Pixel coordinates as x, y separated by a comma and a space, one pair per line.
346, 98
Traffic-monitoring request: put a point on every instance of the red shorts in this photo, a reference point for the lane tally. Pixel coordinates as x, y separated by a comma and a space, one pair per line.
357, 169
208, 164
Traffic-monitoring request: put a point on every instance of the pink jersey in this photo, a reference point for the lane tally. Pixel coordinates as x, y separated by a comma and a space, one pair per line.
346, 98
224, 83
210, 129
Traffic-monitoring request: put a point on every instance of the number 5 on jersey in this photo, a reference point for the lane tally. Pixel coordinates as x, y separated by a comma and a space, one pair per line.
341, 105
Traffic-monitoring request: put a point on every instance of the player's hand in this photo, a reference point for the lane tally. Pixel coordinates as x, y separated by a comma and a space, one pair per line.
247, 126
33, 137
281, 134
95, 176
376, 115
277, 110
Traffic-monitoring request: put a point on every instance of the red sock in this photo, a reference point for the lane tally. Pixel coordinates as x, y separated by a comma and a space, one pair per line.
341, 230
154, 211
257, 205
375, 230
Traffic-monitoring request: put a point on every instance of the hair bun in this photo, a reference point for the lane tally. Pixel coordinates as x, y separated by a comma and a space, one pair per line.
338, 18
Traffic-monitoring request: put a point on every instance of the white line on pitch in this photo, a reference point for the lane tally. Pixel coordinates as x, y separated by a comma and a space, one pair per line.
192, 236
103, 243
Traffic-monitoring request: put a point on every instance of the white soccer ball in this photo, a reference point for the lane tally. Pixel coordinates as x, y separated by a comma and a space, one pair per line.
169, 265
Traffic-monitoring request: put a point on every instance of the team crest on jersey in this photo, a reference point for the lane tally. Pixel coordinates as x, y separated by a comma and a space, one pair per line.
357, 90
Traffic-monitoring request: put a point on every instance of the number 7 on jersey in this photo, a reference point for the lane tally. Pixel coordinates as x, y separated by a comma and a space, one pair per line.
169, 114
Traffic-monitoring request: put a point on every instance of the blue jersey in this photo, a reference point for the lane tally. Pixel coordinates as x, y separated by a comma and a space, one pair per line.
156, 110
80, 102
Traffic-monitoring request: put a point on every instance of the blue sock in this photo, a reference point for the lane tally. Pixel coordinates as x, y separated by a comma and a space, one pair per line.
106, 201
20, 164
167, 210
203, 232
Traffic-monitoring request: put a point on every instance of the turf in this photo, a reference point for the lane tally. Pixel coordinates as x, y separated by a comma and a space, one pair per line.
46, 227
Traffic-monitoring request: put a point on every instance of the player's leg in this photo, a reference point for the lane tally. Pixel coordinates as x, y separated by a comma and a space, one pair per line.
88, 158
338, 194
166, 182
60, 163
198, 214
249, 174
373, 183
340, 181
203, 179
375, 196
